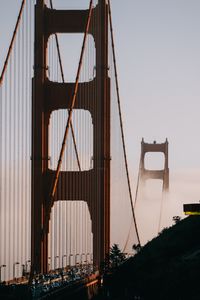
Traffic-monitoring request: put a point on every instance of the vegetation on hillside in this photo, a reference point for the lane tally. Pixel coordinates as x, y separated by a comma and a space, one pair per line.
113, 260
168, 267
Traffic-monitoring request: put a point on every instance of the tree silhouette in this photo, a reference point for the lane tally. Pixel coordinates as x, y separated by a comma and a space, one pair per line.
116, 256
136, 247
176, 219
113, 259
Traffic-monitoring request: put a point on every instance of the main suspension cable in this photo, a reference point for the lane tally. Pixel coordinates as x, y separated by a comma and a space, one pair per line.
12, 41
161, 208
121, 123
136, 197
138, 183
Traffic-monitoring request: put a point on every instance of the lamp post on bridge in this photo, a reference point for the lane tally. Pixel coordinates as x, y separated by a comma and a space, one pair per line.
82, 262
88, 262
76, 258
49, 263
23, 270
77, 264
91, 262
2, 266
55, 258
71, 255
82, 254
88, 255
26, 265
16, 263
63, 256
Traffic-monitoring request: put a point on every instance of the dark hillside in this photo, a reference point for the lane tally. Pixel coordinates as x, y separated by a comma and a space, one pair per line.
168, 267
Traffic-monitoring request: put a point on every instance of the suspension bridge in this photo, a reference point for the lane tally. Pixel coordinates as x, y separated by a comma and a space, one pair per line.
63, 164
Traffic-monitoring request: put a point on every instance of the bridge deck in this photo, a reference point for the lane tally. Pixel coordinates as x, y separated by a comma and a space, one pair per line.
57, 288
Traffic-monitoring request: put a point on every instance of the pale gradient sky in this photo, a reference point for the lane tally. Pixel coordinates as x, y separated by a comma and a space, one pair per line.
158, 58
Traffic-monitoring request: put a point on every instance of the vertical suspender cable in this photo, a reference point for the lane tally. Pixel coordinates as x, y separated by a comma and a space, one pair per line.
5, 227
22, 154
136, 197
18, 140
161, 209
9, 199
138, 184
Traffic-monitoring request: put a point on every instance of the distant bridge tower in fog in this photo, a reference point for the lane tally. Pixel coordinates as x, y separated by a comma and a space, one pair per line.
153, 195
145, 174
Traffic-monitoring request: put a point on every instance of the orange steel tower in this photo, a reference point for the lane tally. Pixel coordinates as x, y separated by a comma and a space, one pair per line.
92, 186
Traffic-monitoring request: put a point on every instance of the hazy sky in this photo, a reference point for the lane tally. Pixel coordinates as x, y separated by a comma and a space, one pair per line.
159, 67
158, 58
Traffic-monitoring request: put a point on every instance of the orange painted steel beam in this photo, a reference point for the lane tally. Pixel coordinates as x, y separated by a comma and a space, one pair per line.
40, 121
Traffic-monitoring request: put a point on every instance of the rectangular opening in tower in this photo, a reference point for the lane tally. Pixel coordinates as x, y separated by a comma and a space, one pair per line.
154, 161
70, 235
71, 4
70, 48
79, 145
